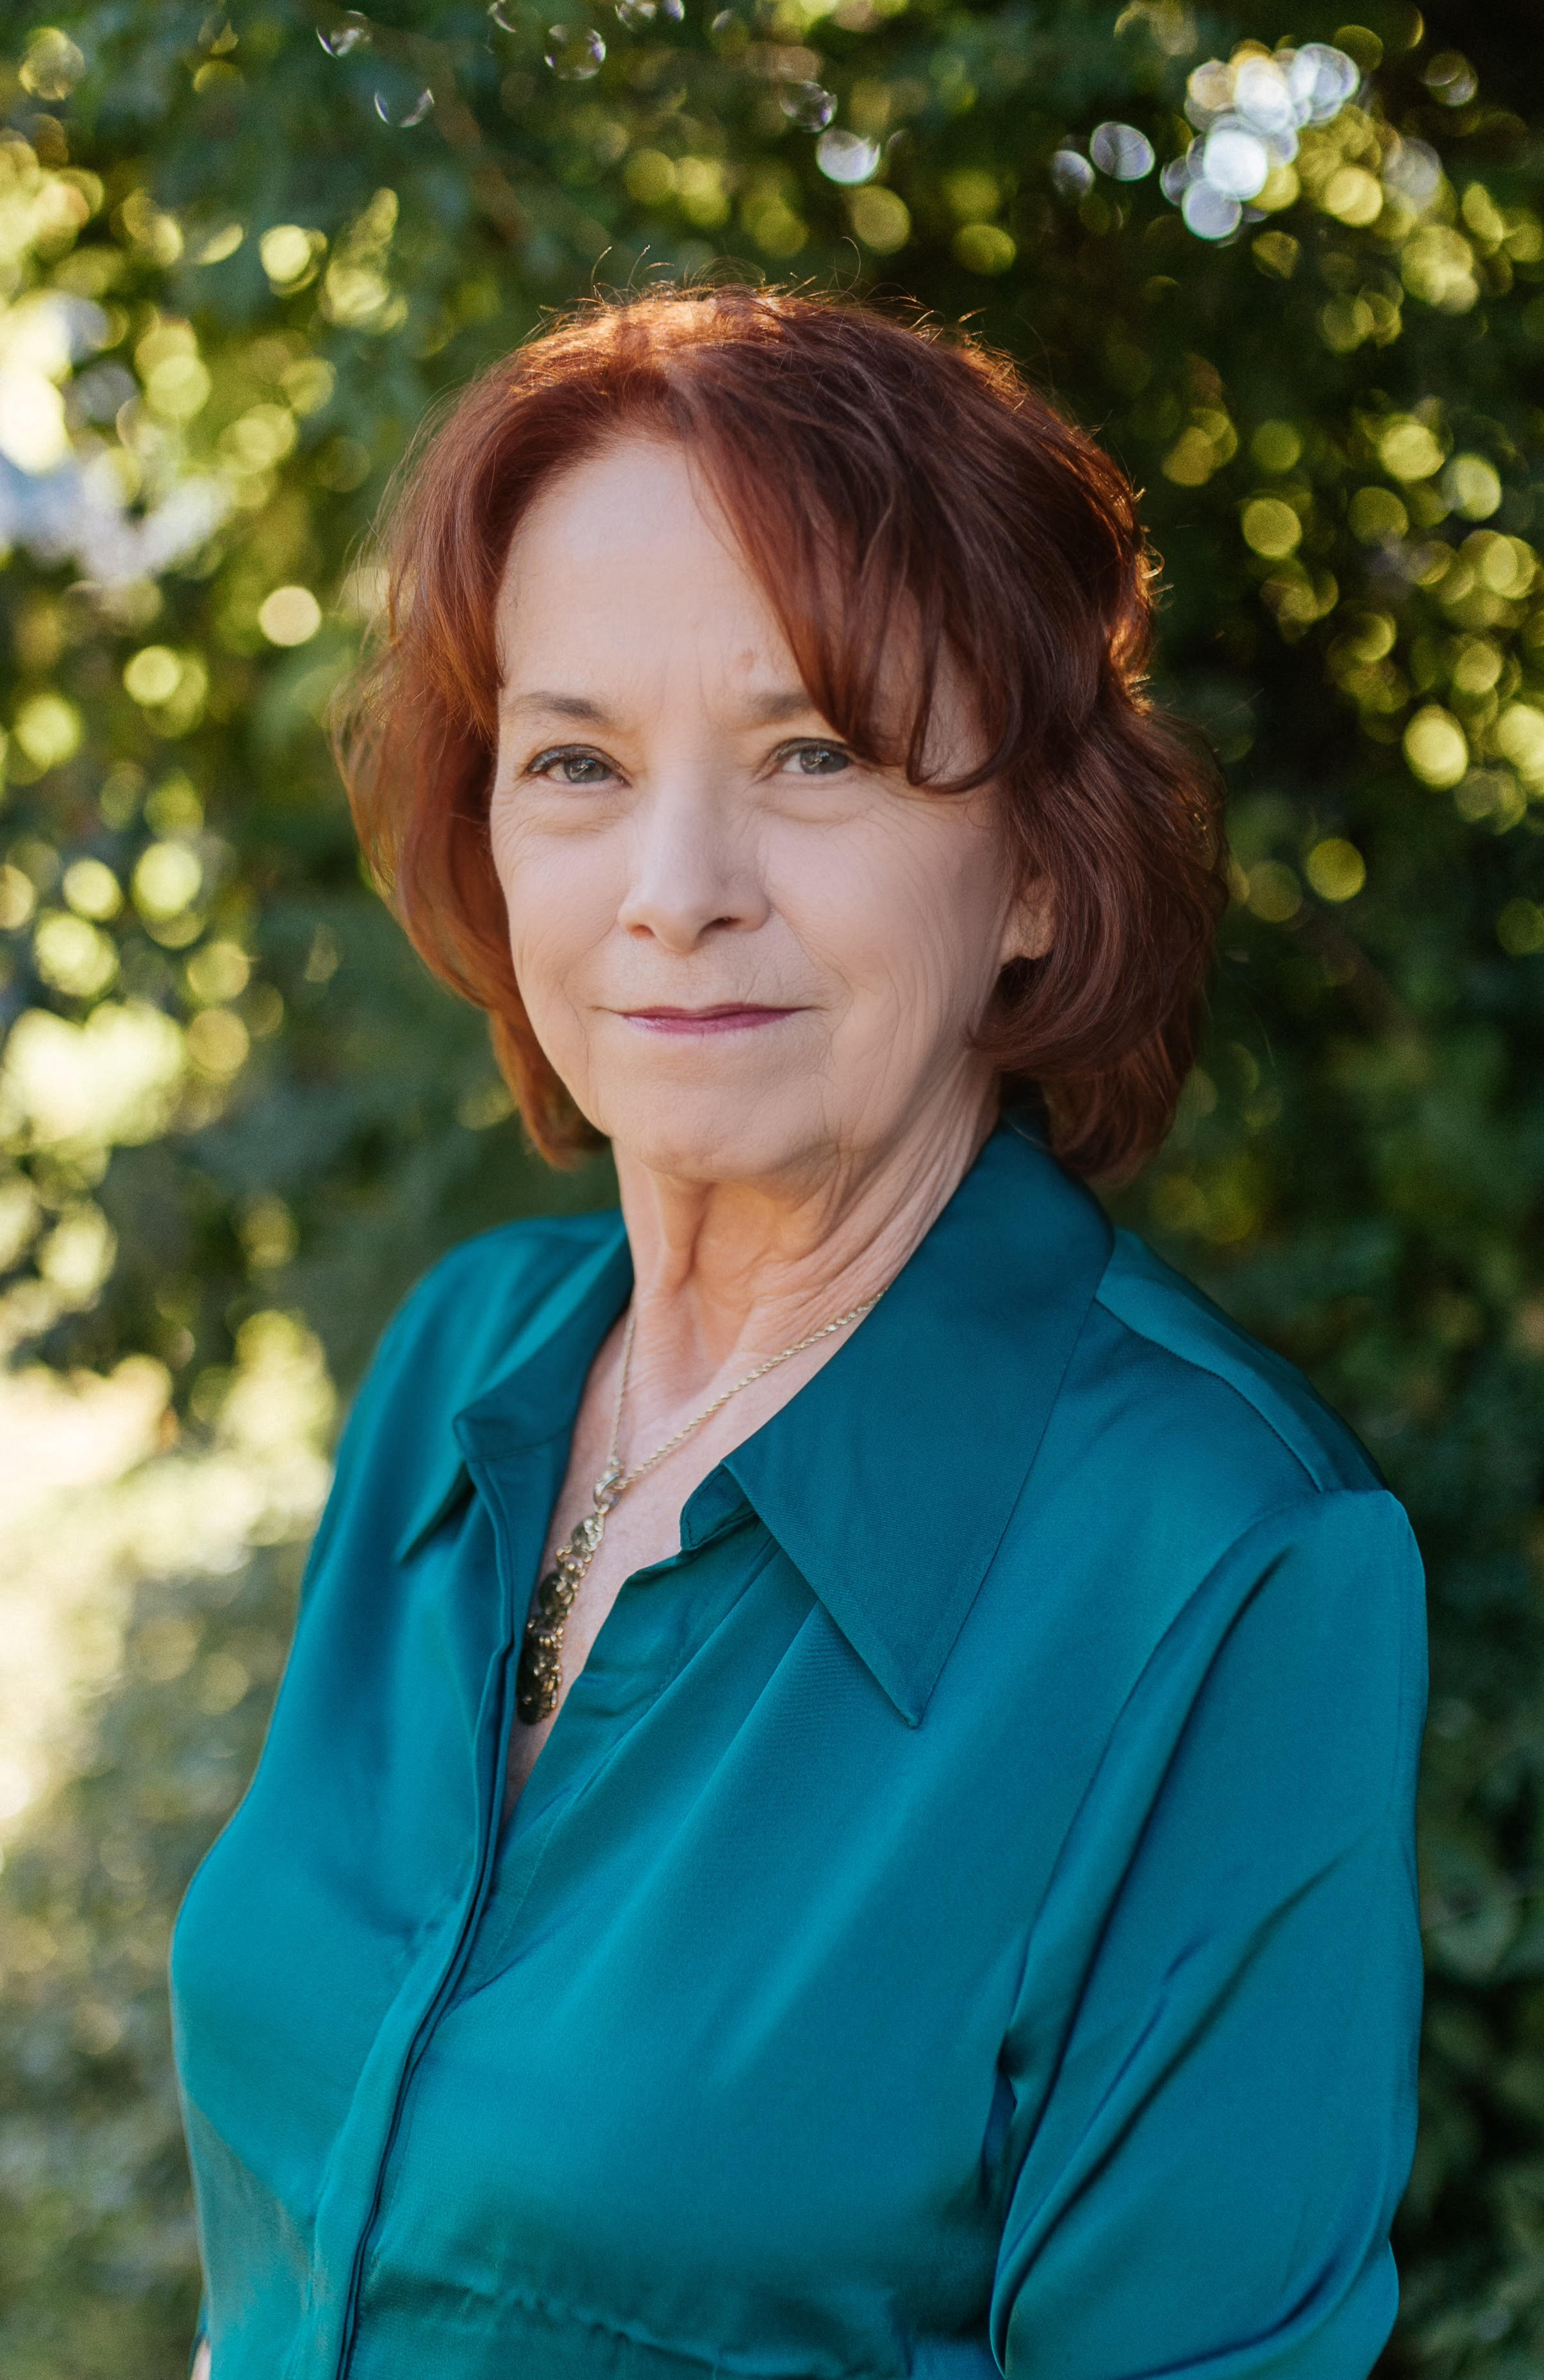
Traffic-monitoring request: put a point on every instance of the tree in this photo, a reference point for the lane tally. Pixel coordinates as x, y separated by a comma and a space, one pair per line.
1297, 287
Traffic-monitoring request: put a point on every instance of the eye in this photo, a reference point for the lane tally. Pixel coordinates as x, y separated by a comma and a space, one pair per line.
570, 764
815, 759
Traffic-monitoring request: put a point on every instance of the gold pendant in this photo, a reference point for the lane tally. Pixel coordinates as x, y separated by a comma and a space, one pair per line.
539, 1680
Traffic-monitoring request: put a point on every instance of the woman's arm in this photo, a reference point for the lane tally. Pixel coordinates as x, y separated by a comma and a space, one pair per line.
1210, 2143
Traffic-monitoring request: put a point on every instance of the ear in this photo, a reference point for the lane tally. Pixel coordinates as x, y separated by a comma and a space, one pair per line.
1031, 927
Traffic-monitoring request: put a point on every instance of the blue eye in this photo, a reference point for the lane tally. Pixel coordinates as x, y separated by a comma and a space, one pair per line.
567, 765
817, 760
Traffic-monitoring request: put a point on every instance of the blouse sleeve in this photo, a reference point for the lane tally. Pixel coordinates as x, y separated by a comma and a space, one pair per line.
1211, 2065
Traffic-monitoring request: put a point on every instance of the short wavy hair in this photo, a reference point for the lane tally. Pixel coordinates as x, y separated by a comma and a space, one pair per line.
884, 481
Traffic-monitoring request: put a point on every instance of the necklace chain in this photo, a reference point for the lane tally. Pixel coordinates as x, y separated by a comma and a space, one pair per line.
538, 1683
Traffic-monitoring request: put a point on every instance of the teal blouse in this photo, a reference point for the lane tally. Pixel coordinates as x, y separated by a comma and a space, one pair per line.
962, 1917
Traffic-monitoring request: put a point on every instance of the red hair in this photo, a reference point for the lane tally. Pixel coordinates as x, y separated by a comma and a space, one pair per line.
881, 478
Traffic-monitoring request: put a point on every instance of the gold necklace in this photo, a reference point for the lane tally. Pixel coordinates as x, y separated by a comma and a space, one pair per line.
539, 1680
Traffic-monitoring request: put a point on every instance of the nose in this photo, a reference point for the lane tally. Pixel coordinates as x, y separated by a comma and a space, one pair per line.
693, 870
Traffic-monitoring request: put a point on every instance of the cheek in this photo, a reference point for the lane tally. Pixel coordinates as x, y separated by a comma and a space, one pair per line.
559, 903
909, 915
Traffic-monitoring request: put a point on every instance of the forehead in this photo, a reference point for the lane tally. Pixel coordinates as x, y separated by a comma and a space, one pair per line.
636, 517
624, 568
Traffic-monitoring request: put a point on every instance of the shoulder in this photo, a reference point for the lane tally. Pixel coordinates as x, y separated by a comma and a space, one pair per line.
1198, 1371
460, 1326
1185, 1463
468, 1310
1198, 1540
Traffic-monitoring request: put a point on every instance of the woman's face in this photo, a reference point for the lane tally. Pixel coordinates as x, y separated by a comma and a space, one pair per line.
747, 953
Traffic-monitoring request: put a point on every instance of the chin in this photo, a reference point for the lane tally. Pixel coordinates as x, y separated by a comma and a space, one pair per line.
708, 1135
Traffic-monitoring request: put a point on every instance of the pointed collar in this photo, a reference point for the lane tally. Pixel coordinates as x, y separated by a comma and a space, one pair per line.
890, 1478
525, 1369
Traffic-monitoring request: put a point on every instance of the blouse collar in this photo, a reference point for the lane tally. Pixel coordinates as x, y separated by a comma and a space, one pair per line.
890, 1480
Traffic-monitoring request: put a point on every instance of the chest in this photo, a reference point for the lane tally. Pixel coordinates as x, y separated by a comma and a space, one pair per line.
716, 2015
637, 1532
640, 1531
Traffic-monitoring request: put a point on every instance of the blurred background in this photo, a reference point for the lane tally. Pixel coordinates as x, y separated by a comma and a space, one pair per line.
1292, 270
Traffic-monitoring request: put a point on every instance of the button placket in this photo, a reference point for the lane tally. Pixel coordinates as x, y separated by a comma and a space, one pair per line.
518, 1506
590, 1744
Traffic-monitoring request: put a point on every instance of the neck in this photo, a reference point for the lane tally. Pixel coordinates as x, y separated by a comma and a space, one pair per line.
728, 1273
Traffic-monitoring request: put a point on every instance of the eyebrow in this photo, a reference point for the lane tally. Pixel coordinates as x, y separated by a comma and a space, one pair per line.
767, 709
783, 702
565, 706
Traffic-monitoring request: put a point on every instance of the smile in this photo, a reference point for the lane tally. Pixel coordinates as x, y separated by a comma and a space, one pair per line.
734, 1017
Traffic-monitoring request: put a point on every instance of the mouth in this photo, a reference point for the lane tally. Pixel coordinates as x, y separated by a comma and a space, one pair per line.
733, 1016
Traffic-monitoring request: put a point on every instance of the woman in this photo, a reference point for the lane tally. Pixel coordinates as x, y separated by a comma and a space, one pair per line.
841, 1800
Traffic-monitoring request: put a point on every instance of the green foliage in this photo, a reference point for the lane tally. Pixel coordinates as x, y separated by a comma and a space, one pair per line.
238, 258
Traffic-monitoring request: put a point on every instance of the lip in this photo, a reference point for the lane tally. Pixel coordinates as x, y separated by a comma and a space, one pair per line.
732, 1016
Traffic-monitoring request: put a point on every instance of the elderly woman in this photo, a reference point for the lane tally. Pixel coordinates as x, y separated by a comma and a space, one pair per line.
840, 1805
